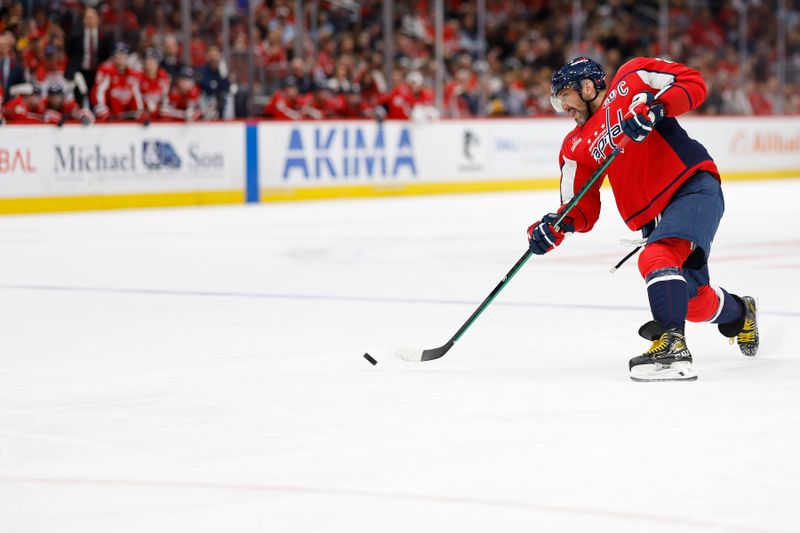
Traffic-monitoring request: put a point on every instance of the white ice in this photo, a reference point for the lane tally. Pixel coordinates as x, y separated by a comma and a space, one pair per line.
198, 370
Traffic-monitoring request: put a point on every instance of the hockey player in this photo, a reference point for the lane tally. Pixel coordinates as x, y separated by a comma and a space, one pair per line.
410, 99
184, 98
154, 84
665, 184
27, 107
57, 105
115, 94
285, 103
320, 103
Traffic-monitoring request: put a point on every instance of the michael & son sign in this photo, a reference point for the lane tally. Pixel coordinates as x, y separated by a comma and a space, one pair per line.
119, 159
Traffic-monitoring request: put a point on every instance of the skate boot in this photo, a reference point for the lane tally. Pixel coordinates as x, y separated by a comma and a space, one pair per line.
745, 330
668, 359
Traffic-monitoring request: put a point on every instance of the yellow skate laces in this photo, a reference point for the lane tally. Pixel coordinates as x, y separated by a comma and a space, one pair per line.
748, 333
658, 344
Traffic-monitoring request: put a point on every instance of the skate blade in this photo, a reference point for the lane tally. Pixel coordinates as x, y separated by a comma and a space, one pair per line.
676, 372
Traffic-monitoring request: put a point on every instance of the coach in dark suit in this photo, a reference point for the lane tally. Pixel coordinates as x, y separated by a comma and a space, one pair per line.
87, 48
11, 70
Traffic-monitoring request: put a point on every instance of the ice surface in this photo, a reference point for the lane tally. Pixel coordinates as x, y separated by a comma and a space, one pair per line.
201, 370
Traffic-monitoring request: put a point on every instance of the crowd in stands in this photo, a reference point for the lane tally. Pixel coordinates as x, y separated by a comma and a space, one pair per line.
66, 60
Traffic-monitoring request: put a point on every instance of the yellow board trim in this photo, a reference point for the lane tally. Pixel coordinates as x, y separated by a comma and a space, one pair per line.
118, 201
758, 175
404, 189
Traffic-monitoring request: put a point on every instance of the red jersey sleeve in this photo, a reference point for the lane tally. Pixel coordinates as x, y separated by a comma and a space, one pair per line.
574, 176
678, 87
577, 167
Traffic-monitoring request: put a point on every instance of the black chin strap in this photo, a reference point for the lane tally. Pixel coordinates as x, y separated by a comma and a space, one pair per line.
588, 102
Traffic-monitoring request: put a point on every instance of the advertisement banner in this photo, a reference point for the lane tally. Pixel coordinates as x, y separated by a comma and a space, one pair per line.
45, 161
330, 153
326, 158
745, 146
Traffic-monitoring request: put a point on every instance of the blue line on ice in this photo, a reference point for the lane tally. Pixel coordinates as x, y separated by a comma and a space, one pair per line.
337, 298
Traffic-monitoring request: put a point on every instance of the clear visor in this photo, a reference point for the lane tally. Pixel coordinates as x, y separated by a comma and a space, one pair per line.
555, 101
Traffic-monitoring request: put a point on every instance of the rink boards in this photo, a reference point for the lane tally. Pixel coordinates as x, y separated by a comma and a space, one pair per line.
44, 168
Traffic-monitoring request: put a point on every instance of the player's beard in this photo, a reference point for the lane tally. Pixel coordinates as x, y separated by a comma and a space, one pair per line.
580, 116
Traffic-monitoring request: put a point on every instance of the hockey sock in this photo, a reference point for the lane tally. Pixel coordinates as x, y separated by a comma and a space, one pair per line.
731, 309
669, 297
667, 291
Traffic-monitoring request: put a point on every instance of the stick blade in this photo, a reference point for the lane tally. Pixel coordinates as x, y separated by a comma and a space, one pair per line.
416, 355
408, 354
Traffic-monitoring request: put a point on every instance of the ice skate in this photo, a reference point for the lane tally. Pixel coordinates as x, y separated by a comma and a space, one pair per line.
744, 331
668, 358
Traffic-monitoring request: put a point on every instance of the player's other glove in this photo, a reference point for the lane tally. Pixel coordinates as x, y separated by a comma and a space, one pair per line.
102, 112
643, 115
51, 116
543, 236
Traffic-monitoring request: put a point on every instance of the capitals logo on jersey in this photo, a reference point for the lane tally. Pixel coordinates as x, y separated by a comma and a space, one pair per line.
604, 139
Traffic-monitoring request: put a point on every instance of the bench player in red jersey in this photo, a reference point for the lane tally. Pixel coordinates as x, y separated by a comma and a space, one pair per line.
665, 184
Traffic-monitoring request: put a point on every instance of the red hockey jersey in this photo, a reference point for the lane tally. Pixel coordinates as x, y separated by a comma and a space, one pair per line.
116, 92
282, 107
183, 106
20, 111
645, 175
154, 90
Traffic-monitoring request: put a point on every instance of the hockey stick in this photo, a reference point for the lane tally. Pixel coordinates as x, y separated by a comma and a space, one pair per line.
622, 261
416, 355
83, 89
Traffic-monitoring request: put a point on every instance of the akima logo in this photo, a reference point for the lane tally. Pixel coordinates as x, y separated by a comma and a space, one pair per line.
349, 152
159, 154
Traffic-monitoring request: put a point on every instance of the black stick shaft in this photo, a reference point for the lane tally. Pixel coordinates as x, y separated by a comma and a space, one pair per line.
622, 261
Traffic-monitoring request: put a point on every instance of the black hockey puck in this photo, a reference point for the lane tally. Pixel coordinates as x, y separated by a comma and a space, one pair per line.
371, 359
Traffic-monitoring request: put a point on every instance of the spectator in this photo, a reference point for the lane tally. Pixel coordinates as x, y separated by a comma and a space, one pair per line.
507, 98
525, 41
214, 84
12, 71
460, 99
87, 49
52, 68
171, 62
33, 56
298, 70
116, 93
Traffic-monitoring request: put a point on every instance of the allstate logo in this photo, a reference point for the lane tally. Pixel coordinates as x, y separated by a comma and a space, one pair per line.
159, 154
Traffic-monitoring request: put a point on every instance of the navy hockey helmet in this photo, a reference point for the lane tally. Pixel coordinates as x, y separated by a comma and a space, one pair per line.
56, 88
572, 74
121, 48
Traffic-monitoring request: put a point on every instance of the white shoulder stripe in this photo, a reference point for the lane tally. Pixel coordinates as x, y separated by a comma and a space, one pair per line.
656, 80
568, 180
